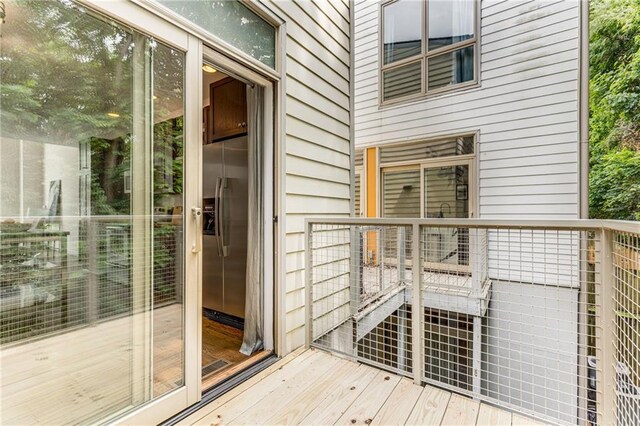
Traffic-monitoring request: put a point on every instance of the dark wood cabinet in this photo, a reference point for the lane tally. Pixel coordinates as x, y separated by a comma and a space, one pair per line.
207, 127
228, 109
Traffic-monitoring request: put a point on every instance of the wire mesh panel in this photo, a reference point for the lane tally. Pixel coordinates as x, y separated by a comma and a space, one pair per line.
91, 217
626, 295
359, 277
448, 341
534, 335
540, 319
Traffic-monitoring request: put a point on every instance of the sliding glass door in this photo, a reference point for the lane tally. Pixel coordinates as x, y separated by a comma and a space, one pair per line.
92, 172
446, 196
435, 189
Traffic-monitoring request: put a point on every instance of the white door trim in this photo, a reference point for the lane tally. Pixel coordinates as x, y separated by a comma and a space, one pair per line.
239, 70
140, 19
193, 229
132, 15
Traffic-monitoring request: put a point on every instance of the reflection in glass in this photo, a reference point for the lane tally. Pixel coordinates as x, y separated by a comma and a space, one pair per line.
402, 30
402, 81
91, 222
400, 199
451, 68
401, 193
450, 21
422, 150
446, 195
234, 23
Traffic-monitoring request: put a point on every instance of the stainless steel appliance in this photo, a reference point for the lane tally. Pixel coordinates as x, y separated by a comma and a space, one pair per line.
225, 192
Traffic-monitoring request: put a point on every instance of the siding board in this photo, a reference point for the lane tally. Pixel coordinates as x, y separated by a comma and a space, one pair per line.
317, 150
525, 109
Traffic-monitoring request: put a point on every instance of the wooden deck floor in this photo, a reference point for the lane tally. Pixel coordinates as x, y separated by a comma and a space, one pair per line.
313, 387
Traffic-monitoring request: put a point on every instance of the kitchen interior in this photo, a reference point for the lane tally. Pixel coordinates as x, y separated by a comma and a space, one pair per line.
225, 211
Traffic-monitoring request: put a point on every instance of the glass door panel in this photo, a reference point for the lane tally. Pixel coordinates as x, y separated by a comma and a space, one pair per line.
91, 212
446, 195
400, 199
401, 193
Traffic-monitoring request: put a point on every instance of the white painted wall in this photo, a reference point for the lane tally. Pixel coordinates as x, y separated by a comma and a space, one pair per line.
526, 108
317, 133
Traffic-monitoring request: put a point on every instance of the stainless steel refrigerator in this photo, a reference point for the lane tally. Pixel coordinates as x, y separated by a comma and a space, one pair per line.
225, 192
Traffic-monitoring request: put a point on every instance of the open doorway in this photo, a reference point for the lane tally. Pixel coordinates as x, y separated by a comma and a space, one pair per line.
232, 293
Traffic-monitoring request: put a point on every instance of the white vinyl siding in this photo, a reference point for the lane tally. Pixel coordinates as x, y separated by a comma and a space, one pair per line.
317, 134
525, 109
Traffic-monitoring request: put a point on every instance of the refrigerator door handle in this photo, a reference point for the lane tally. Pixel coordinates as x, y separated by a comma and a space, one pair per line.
217, 217
223, 185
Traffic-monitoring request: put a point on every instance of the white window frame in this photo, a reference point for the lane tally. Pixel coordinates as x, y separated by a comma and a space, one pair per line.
359, 171
469, 160
423, 57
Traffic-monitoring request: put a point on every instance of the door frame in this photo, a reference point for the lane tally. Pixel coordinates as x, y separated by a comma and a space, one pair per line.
158, 409
449, 162
148, 19
237, 70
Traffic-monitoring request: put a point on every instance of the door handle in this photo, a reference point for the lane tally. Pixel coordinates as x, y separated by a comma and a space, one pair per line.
196, 212
223, 185
216, 218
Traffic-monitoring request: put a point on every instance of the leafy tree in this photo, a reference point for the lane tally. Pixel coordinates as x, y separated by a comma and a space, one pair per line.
67, 79
64, 71
614, 140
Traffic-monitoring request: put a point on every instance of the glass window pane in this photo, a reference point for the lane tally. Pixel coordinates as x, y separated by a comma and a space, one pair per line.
446, 195
402, 30
402, 81
234, 23
450, 22
168, 218
91, 218
401, 193
424, 150
451, 68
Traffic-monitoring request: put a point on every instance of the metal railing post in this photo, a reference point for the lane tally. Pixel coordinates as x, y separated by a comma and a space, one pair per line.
355, 267
474, 260
417, 312
308, 283
401, 258
605, 331
401, 255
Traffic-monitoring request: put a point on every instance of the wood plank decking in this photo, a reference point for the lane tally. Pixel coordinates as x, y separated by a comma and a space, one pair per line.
314, 387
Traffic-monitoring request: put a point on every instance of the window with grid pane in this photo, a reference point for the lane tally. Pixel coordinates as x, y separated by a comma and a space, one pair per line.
428, 47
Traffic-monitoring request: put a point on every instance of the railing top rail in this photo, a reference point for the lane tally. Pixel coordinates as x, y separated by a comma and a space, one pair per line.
546, 224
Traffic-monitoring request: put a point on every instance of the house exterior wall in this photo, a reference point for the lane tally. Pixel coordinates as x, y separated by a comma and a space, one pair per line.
525, 108
525, 112
317, 134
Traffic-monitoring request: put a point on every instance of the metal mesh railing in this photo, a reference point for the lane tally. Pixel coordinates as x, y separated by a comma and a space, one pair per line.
626, 295
537, 317
87, 297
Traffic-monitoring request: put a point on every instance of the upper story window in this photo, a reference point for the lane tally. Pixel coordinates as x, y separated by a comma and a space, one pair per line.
428, 46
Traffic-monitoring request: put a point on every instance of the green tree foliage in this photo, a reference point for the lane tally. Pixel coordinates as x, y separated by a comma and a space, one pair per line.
63, 71
614, 140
